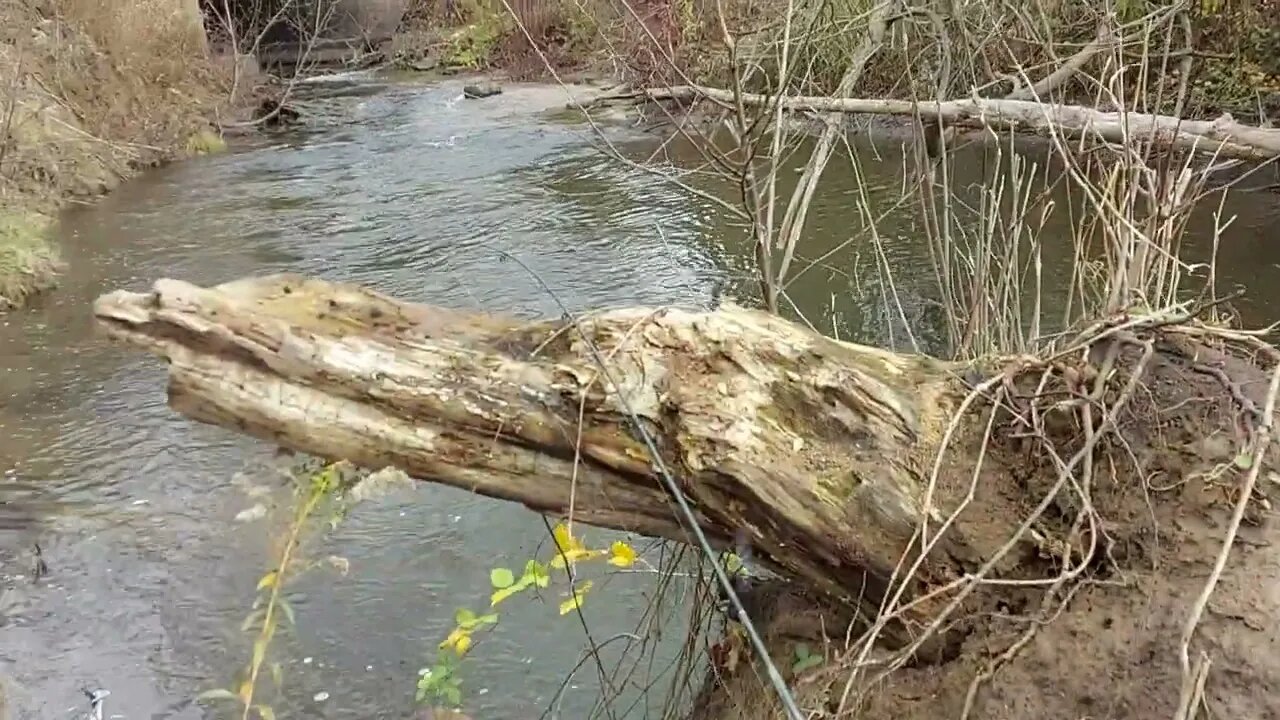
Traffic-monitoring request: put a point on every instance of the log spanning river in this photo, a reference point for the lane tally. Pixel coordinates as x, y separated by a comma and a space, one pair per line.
148, 522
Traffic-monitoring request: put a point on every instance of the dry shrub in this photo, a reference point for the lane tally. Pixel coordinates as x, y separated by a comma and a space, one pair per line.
99, 88
29, 264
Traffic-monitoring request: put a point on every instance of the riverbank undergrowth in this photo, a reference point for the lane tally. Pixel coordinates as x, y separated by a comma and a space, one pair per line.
92, 92
1226, 54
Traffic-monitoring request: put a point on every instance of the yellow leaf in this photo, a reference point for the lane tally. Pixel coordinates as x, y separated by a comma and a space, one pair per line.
565, 541
575, 601
506, 592
268, 580
622, 555
453, 638
246, 691
559, 561
459, 640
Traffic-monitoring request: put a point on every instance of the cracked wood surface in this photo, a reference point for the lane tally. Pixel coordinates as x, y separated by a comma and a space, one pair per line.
819, 448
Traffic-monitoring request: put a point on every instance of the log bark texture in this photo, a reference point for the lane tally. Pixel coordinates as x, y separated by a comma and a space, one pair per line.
819, 448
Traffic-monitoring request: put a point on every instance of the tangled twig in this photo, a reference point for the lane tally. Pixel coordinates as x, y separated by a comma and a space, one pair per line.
1193, 679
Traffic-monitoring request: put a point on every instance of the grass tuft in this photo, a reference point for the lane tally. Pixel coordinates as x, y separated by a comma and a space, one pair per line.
29, 262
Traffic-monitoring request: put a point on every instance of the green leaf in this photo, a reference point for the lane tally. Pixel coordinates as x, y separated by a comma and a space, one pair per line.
490, 619
265, 712
501, 578
810, 661
216, 694
537, 573
277, 674
464, 616
506, 592
802, 650
732, 563
1244, 460
452, 695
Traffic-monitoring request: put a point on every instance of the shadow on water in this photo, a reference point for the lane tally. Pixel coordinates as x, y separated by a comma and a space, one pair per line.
410, 189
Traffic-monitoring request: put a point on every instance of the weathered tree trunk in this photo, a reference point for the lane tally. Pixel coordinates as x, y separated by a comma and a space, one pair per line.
1222, 136
826, 452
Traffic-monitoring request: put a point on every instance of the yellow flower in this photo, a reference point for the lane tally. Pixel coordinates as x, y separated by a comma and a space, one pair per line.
621, 555
568, 548
459, 640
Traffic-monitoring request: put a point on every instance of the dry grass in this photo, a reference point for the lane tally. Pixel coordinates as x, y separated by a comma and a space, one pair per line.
95, 90
29, 263
1129, 202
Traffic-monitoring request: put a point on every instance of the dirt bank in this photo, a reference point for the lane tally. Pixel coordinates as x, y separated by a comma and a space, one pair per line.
93, 91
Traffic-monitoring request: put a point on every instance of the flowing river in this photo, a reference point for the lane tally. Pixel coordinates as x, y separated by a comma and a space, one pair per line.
409, 188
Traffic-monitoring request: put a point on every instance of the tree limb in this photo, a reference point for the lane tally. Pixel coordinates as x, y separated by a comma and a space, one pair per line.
1223, 135
820, 449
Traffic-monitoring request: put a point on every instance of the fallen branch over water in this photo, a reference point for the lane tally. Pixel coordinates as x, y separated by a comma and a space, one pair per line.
1089, 495
1223, 136
818, 447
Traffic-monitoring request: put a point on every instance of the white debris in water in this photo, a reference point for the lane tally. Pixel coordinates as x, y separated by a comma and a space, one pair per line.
321, 696
306, 660
339, 563
256, 512
378, 484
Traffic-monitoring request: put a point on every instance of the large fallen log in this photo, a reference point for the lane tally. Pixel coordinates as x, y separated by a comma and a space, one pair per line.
829, 454
1223, 136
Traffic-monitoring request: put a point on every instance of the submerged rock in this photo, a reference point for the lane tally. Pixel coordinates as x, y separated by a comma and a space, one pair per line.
481, 90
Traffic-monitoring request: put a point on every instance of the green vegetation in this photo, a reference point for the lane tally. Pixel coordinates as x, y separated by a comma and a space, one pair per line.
205, 142
1234, 47
472, 46
314, 492
29, 263
440, 684
321, 497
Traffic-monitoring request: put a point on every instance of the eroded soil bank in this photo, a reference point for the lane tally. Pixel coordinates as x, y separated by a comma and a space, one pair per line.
1096, 631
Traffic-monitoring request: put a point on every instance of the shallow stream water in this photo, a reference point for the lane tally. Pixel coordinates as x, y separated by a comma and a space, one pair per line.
406, 187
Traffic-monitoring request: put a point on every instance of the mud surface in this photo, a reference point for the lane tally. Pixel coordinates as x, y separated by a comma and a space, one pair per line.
1163, 499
